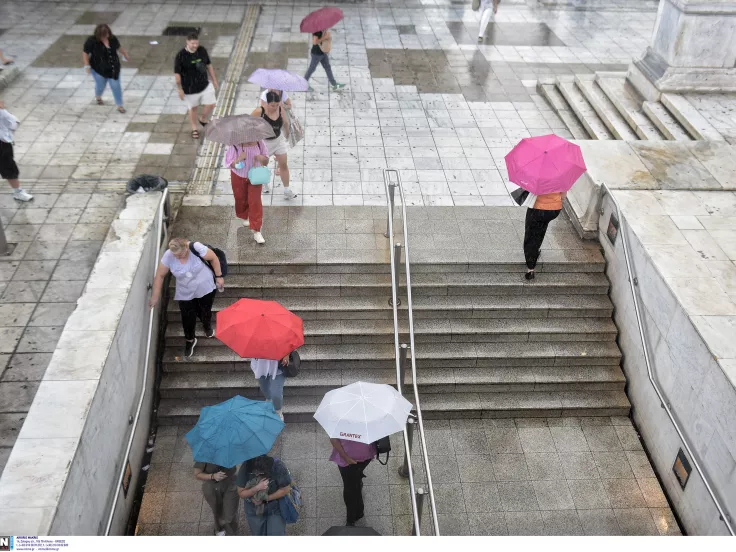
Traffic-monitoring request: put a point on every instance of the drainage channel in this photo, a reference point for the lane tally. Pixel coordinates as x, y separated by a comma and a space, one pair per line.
205, 173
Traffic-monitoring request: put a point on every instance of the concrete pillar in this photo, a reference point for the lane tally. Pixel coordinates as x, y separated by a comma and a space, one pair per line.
693, 49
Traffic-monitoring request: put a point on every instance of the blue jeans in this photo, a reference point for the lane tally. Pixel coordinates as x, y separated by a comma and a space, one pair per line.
273, 389
270, 524
100, 82
325, 61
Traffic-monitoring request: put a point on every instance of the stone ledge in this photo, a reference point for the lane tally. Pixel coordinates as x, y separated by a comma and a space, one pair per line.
40, 464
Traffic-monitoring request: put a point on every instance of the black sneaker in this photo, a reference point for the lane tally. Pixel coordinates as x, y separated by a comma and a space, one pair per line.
189, 348
209, 333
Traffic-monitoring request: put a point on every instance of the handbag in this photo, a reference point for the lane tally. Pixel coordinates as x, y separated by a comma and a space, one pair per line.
475, 5
289, 505
296, 132
291, 370
383, 446
259, 176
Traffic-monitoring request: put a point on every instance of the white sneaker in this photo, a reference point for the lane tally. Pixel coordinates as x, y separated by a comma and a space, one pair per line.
21, 195
266, 189
288, 194
220, 534
280, 415
246, 223
259, 237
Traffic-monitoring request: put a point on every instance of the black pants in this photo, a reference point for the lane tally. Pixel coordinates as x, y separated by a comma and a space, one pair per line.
8, 168
198, 307
352, 489
535, 228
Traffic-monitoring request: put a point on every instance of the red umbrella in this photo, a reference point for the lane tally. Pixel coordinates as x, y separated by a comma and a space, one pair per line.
545, 164
260, 329
321, 20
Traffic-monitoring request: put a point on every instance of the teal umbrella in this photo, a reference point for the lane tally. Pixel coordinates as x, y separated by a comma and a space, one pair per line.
234, 431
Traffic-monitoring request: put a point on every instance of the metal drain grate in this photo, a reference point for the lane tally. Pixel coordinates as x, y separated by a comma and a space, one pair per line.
181, 31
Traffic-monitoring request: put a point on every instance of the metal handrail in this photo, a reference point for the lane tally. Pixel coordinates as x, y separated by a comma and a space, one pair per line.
399, 369
162, 206
633, 282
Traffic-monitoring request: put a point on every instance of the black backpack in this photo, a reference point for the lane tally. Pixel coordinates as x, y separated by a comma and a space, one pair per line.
217, 251
383, 446
292, 370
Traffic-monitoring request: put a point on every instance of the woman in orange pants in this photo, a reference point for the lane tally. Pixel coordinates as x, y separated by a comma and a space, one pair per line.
240, 158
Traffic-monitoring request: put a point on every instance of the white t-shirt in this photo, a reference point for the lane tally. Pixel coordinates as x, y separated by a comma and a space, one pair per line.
284, 95
263, 367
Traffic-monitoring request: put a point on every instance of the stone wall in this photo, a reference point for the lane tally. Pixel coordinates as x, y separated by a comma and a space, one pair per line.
62, 473
700, 395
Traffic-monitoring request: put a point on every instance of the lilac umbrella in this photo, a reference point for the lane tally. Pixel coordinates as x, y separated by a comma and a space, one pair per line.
278, 79
321, 20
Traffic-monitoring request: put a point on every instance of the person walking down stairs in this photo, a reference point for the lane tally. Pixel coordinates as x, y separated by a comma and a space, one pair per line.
271, 378
196, 286
546, 208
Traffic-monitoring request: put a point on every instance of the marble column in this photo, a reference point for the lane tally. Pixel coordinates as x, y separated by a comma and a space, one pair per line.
693, 49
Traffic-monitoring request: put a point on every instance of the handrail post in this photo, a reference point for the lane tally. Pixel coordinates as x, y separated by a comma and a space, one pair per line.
402, 364
391, 188
404, 468
420, 501
3, 242
397, 274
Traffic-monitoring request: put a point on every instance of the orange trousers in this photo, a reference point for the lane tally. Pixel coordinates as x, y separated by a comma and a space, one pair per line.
247, 201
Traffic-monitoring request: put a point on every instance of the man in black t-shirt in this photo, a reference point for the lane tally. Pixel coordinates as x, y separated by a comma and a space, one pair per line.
196, 81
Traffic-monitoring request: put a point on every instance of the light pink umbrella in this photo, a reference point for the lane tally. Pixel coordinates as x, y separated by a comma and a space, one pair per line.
278, 79
545, 164
321, 20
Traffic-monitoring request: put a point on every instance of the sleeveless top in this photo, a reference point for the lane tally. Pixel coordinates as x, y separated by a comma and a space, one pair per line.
275, 125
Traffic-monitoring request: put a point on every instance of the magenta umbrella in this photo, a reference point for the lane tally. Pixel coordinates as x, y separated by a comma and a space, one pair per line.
545, 164
321, 20
278, 79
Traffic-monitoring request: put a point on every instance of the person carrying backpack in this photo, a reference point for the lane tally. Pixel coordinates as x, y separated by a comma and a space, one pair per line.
198, 274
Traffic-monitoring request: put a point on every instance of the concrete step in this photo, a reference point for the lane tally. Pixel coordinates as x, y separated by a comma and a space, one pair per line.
441, 405
605, 109
548, 90
466, 330
436, 306
432, 380
428, 355
665, 122
585, 113
628, 103
423, 284
690, 118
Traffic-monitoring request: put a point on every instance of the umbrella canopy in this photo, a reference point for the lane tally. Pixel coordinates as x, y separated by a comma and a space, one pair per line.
350, 531
363, 412
238, 129
260, 329
321, 20
278, 79
545, 164
234, 431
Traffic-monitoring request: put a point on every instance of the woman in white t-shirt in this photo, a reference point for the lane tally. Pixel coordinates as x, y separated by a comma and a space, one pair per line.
196, 285
271, 378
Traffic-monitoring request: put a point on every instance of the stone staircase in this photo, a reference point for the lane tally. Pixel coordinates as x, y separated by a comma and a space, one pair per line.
605, 106
488, 343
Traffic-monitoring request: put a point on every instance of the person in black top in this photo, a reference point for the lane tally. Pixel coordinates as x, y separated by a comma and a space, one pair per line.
193, 71
100, 57
277, 146
321, 45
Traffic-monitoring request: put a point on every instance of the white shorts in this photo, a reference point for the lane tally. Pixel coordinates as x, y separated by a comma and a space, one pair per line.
205, 97
277, 146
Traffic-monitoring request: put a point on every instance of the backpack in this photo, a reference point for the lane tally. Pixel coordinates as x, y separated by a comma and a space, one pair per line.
292, 370
383, 446
290, 504
217, 251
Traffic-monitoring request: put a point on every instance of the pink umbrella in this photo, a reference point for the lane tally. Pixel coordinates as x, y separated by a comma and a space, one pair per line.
278, 79
545, 164
321, 20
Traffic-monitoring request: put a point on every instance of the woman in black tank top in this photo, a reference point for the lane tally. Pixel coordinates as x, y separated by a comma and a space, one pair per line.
273, 114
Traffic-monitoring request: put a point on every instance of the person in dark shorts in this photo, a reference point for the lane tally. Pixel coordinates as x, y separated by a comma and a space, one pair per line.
8, 169
196, 81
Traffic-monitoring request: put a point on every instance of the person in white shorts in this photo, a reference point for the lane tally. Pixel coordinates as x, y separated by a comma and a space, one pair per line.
193, 71
488, 9
274, 115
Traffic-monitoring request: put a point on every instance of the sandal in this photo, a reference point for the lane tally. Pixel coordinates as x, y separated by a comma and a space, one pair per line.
121, 109
99, 101
195, 134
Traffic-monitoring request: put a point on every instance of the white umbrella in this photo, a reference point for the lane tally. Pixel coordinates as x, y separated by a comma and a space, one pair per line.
363, 412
